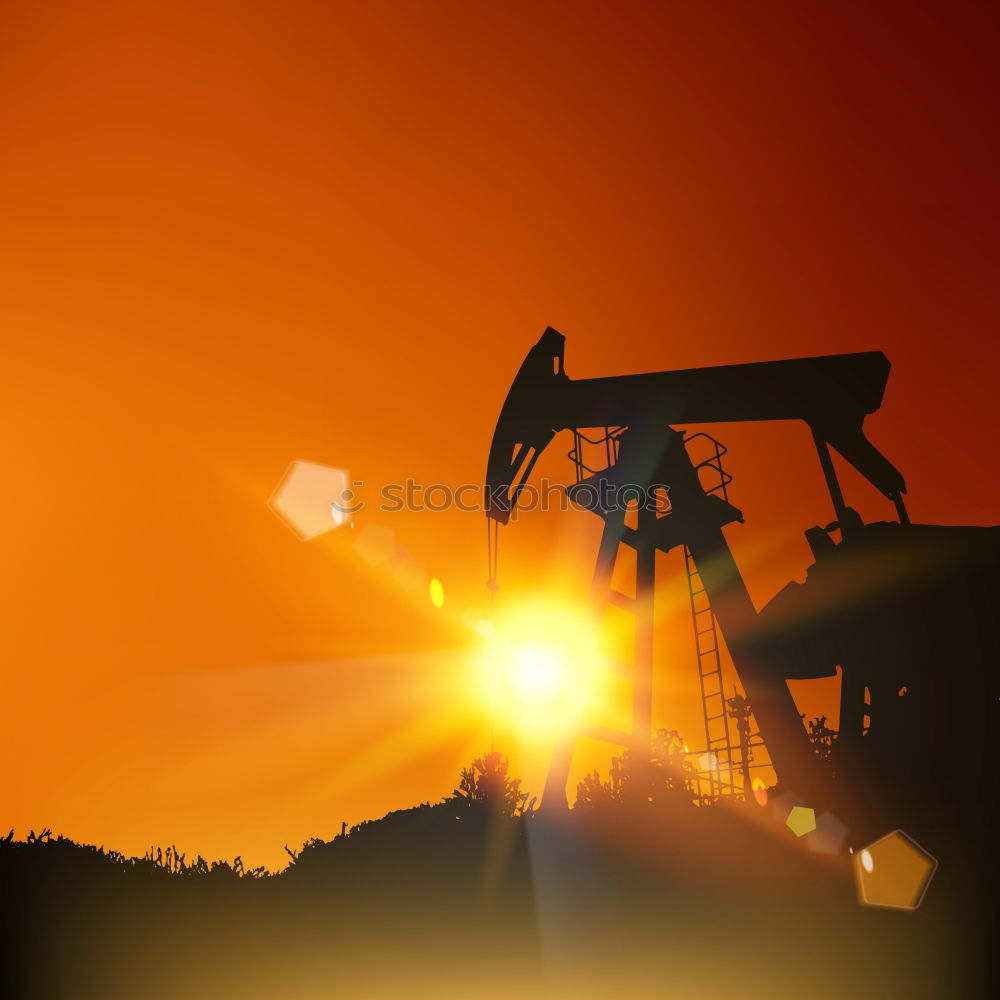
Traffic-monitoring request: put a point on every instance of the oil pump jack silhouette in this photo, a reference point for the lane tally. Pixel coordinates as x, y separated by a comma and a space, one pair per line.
901, 609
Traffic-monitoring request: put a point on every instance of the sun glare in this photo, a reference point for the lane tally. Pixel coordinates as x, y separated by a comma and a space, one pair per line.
538, 670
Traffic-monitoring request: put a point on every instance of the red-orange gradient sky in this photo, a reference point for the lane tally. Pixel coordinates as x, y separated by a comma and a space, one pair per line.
238, 234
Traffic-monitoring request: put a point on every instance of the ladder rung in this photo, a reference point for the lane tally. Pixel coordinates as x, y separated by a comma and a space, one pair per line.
712, 718
705, 631
705, 652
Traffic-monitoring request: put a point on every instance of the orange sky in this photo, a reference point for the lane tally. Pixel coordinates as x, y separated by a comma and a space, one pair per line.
261, 232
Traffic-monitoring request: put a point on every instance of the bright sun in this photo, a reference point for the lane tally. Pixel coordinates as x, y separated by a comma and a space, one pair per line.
538, 670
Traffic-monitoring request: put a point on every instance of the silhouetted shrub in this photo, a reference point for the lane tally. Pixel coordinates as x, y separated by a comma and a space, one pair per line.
663, 775
487, 784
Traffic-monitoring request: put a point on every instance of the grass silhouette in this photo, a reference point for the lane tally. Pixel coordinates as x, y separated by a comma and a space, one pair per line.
481, 895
